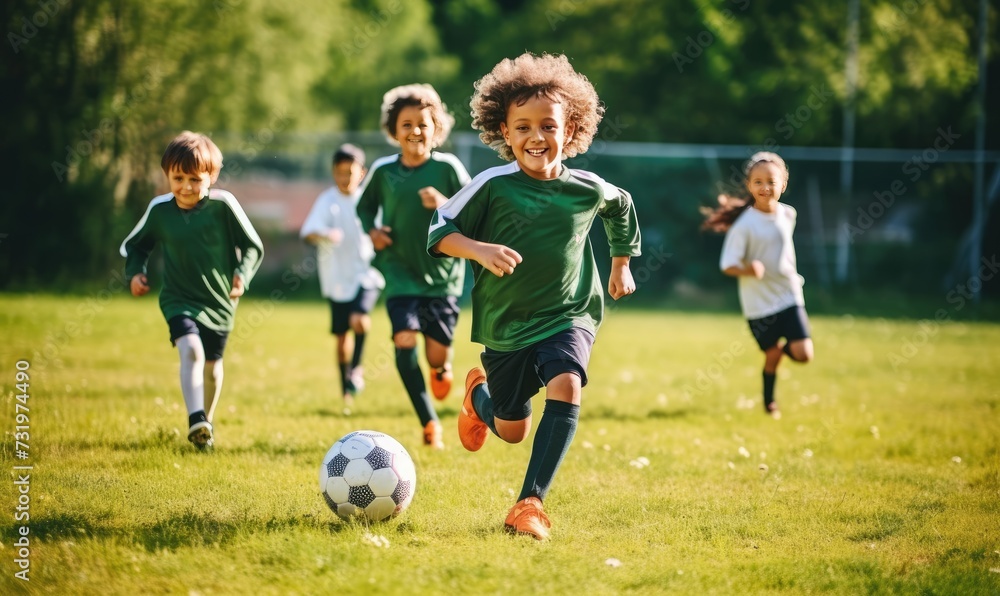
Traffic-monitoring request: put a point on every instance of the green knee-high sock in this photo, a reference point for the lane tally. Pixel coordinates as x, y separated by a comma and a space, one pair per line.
482, 403
552, 440
413, 380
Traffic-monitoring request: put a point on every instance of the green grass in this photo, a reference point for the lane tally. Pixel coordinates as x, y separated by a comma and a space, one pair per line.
882, 477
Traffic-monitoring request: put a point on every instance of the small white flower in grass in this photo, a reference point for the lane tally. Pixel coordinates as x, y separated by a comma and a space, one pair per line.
606, 447
613, 562
661, 399
743, 451
874, 431
643, 460
807, 453
994, 569
956, 460
588, 445
510, 492
177, 465
376, 540
639, 463
680, 572
762, 467
731, 465
158, 401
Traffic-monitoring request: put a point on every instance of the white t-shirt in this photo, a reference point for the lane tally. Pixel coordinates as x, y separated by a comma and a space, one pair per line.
765, 237
344, 267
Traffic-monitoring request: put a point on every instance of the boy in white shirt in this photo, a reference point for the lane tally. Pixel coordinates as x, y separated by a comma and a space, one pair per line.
347, 278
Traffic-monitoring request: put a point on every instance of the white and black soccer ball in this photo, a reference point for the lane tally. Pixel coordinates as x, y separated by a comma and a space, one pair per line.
367, 474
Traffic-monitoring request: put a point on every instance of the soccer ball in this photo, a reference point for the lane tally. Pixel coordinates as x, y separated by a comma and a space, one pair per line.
367, 474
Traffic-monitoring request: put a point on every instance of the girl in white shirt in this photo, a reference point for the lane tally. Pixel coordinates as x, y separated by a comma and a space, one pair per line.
758, 251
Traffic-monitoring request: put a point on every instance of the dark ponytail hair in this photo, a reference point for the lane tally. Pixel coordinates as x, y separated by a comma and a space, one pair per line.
721, 218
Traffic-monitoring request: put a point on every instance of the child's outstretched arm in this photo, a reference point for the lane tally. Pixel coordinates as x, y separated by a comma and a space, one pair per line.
495, 258
621, 282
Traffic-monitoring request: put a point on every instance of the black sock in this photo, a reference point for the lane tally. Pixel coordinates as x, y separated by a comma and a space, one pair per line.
345, 378
483, 405
413, 380
552, 440
769, 379
359, 346
196, 417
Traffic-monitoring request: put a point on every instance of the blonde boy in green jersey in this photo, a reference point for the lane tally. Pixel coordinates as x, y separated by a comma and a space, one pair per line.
398, 199
537, 301
210, 253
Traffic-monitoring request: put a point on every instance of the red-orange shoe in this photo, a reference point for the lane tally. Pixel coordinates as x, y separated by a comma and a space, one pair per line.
441, 382
528, 517
432, 435
471, 429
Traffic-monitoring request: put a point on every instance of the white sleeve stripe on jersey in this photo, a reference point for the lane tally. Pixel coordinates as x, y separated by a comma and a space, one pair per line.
227, 197
460, 199
609, 190
378, 163
142, 221
463, 174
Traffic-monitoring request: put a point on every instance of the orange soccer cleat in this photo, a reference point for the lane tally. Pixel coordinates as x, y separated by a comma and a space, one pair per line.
471, 429
432, 435
441, 382
528, 517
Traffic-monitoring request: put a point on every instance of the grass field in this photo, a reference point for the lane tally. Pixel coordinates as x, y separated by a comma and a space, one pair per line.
882, 477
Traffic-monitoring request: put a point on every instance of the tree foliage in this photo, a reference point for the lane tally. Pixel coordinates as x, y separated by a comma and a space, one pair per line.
93, 90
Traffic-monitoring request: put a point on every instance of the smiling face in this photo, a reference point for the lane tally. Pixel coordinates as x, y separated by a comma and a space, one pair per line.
536, 132
188, 188
766, 181
415, 134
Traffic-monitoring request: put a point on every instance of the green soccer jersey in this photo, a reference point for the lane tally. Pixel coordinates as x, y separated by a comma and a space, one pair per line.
547, 222
393, 189
199, 255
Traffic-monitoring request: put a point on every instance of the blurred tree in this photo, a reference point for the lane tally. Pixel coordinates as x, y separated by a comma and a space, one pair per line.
96, 89
389, 43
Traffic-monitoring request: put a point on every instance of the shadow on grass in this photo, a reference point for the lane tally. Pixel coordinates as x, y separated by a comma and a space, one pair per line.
183, 530
606, 413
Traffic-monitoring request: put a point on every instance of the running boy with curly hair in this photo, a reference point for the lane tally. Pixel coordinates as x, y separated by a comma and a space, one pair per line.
537, 300
421, 293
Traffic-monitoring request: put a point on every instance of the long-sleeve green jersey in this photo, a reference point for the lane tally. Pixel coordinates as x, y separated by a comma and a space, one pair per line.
547, 222
203, 248
392, 190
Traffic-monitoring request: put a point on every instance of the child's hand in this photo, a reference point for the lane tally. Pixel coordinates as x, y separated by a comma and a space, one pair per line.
621, 282
381, 238
238, 287
498, 259
757, 268
431, 198
139, 285
335, 235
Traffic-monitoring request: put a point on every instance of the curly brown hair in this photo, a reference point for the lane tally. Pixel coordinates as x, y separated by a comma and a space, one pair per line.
420, 95
513, 82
